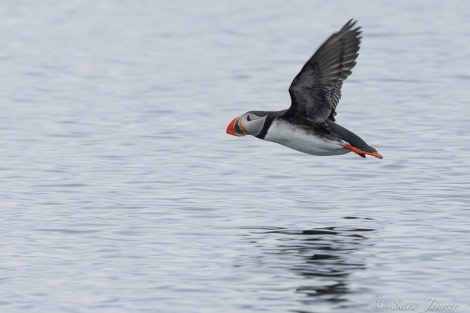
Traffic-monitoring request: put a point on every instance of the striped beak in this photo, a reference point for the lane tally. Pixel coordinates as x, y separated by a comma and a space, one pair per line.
235, 128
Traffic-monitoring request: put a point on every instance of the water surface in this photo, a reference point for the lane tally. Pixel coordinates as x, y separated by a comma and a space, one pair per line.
121, 192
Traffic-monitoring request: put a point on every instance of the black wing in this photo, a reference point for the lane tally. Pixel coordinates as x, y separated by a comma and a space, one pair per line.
316, 90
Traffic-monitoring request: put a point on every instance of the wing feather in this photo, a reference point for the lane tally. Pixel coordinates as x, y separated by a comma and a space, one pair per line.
316, 90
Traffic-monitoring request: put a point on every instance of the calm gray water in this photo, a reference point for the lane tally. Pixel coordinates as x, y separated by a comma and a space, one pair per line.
121, 192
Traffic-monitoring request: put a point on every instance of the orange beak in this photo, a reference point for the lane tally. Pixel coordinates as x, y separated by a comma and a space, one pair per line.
235, 128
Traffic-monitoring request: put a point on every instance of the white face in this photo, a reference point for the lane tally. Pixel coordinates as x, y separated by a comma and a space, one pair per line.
251, 123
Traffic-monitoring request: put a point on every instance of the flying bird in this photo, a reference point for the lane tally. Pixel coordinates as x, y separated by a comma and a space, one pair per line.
309, 124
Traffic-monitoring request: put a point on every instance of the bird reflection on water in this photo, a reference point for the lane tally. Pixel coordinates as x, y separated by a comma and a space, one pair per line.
324, 257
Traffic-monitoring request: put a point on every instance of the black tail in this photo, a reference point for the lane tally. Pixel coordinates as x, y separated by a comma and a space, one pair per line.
353, 139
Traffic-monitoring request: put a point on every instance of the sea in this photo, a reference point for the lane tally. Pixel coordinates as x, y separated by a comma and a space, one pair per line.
121, 192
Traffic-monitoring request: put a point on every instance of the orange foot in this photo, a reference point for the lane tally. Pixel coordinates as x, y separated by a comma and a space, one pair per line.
362, 153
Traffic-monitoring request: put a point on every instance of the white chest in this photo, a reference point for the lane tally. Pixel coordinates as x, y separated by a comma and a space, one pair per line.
298, 139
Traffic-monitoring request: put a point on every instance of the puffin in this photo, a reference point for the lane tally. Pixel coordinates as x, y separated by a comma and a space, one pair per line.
308, 125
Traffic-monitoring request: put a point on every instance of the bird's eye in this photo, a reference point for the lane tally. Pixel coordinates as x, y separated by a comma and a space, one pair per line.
248, 118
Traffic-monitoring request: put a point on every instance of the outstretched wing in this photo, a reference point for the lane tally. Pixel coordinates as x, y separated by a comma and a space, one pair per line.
316, 90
